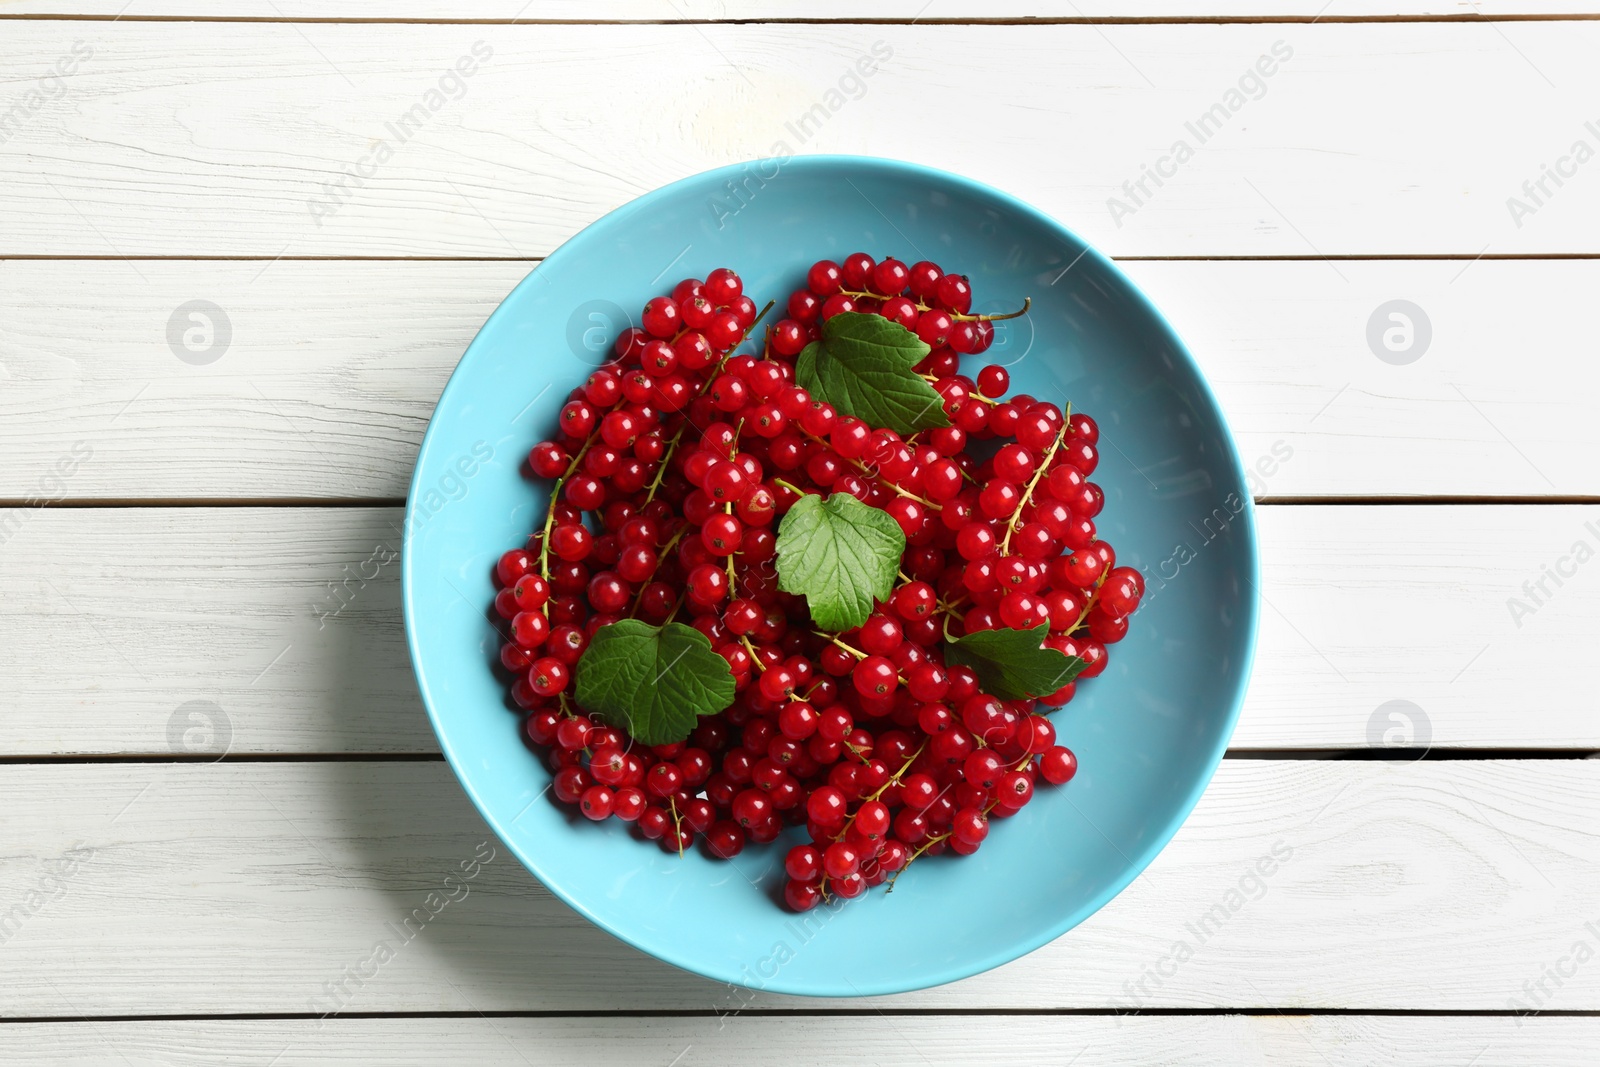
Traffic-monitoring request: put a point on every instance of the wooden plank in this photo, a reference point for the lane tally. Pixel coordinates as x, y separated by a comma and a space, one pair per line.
1370, 138
257, 628
249, 888
334, 368
926, 1041
842, 10
141, 612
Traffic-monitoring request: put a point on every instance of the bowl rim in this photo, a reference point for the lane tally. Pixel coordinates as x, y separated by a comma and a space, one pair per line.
1250, 604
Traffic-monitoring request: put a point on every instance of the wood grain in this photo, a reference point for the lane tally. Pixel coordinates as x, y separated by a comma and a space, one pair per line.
244, 888
764, 1041
334, 368
843, 10
228, 151
139, 612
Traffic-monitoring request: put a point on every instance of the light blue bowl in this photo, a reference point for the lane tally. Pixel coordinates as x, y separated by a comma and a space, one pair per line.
1148, 732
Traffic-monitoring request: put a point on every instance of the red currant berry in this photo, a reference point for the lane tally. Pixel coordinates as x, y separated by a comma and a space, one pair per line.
1058, 765
547, 676
840, 860
661, 317
824, 278
596, 802
723, 287
953, 293
802, 896
889, 278
874, 676
856, 271
725, 839
923, 278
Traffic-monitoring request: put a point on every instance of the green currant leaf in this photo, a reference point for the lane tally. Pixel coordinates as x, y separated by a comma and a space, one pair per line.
652, 681
862, 366
841, 555
1014, 664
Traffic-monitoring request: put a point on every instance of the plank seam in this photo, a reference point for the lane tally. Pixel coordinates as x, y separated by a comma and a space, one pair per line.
1343, 257
1024, 20
117, 503
1277, 755
783, 1013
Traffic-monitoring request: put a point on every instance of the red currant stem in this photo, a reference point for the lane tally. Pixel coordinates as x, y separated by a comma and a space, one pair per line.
974, 395
672, 541
661, 471
861, 294
864, 469
550, 512
732, 580
895, 777
950, 612
673, 614
1027, 302
1033, 483
677, 823
723, 362
638, 598
745, 640
876, 793
1094, 596
795, 489
857, 653
561, 701
911, 858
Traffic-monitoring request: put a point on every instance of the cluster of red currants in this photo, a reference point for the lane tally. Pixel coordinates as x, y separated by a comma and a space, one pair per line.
684, 457
930, 303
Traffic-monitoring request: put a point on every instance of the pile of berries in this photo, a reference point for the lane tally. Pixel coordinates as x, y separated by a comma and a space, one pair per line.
674, 464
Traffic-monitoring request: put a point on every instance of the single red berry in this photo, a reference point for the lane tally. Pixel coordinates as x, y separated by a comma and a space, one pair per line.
824, 277
840, 860
889, 278
874, 676
725, 839
547, 676
802, 896
953, 293
751, 808
1058, 765
529, 629
596, 802
723, 287
856, 271
513, 565
923, 278
661, 317
803, 863
826, 806
970, 825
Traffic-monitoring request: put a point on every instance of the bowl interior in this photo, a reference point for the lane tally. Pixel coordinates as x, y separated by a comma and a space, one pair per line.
1148, 732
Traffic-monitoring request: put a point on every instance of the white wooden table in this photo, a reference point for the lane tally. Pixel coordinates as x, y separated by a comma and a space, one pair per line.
176, 507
